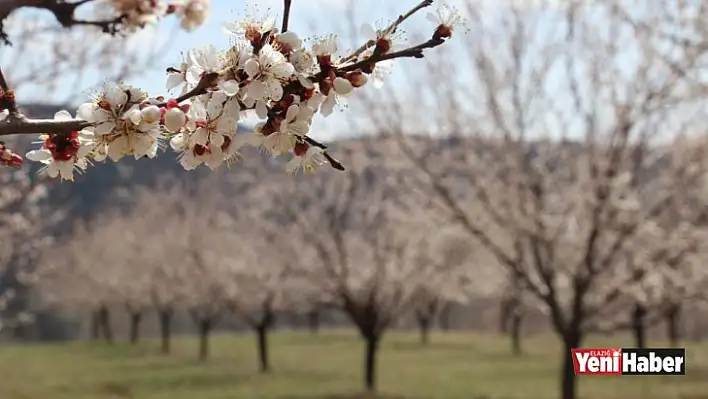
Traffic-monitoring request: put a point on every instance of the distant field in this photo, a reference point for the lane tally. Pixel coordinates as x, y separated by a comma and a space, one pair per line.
455, 366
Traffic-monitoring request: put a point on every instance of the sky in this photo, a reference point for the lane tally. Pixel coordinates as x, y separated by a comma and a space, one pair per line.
308, 17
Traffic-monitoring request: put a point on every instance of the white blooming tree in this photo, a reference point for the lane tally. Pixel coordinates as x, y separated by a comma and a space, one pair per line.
558, 139
361, 252
199, 242
82, 272
267, 70
21, 222
448, 255
674, 245
151, 255
115, 265
164, 263
265, 279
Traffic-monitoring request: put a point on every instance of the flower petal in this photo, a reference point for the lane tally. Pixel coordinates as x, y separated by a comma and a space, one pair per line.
200, 136
177, 142
118, 148
63, 116
261, 109
87, 112
230, 87
252, 67
116, 96
66, 170
174, 80
38, 155
368, 32
105, 127
53, 170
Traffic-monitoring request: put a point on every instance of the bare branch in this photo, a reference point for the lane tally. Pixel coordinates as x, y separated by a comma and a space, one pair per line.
286, 15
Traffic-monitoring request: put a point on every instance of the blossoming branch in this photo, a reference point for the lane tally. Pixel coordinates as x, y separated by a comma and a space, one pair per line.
267, 70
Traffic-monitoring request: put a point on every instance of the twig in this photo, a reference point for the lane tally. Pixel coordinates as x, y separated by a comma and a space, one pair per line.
63, 12
19, 124
204, 84
286, 15
335, 164
109, 26
414, 52
7, 101
391, 28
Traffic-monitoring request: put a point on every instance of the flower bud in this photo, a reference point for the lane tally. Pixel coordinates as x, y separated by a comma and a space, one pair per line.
174, 119
300, 149
383, 46
134, 115
290, 39
357, 78
342, 86
442, 32
151, 114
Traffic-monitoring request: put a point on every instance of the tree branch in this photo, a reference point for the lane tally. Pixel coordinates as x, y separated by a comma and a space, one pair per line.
20, 124
411, 52
17, 123
63, 12
286, 15
391, 28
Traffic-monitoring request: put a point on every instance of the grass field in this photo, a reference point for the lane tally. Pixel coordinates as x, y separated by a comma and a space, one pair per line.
459, 366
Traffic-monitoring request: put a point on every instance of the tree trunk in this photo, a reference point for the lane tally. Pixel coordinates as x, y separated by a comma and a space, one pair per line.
516, 319
569, 386
135, 319
372, 348
104, 316
697, 329
313, 321
204, 330
262, 335
638, 325
503, 316
444, 317
95, 325
165, 316
424, 325
673, 319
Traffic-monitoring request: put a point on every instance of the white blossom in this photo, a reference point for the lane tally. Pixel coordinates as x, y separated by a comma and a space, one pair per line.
61, 155
249, 26
311, 159
447, 16
325, 46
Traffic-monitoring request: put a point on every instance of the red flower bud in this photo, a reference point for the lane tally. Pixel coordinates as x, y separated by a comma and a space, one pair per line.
356, 78
442, 32
300, 149
383, 46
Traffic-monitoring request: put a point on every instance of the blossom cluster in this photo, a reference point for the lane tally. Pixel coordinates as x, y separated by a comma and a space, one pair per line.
264, 71
138, 13
9, 157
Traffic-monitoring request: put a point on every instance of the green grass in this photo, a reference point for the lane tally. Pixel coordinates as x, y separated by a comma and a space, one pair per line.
454, 366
